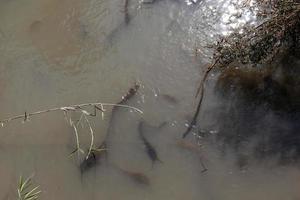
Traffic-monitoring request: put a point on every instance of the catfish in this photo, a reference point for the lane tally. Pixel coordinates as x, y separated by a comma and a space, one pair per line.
150, 150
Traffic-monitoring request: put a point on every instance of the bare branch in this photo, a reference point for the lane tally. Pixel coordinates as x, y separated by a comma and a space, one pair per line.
74, 108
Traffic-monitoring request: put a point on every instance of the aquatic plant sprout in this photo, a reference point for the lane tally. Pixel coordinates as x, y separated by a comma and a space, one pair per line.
26, 190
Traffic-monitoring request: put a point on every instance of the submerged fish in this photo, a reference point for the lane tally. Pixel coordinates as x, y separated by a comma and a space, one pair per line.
169, 98
157, 127
88, 162
126, 12
194, 148
137, 177
149, 148
148, 1
96, 155
131, 92
94, 158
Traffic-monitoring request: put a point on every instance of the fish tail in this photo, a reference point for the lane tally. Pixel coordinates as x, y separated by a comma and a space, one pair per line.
159, 160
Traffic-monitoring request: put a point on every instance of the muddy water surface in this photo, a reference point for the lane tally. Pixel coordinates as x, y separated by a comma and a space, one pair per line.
57, 53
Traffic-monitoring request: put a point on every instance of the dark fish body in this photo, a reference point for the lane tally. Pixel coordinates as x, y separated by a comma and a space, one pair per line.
126, 12
169, 98
131, 92
149, 148
93, 159
156, 127
149, 1
88, 163
194, 148
137, 177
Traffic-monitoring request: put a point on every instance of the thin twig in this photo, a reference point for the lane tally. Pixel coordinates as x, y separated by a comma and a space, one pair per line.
79, 121
67, 108
78, 149
201, 91
92, 136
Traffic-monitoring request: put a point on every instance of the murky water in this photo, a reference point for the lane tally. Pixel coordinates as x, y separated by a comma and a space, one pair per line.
58, 53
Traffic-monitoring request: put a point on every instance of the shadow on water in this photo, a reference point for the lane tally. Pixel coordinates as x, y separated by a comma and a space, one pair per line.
263, 119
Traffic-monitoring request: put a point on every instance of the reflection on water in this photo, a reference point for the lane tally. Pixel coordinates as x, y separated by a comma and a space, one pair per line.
56, 53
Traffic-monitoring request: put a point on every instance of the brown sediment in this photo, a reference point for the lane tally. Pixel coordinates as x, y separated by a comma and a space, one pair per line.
55, 39
151, 152
193, 148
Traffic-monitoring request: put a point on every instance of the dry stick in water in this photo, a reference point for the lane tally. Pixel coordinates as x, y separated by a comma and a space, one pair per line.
74, 108
84, 115
66, 109
200, 91
78, 149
